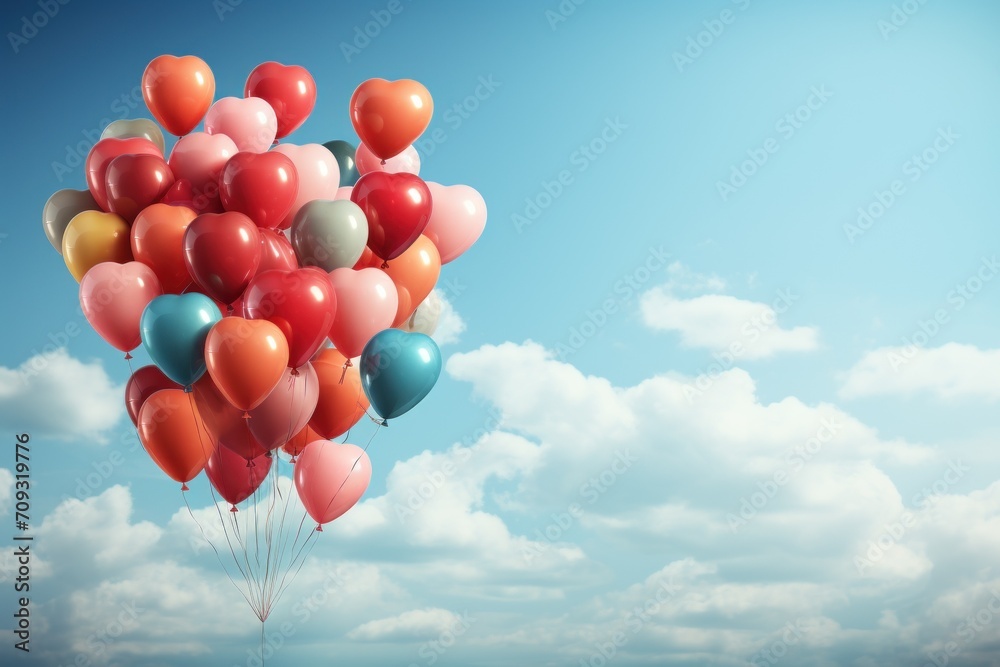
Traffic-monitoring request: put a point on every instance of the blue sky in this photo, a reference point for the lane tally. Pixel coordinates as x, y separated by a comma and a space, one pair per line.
710, 161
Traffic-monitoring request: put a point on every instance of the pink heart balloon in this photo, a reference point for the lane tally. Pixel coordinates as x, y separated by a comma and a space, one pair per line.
319, 175
287, 409
331, 478
407, 162
458, 219
249, 121
199, 158
113, 297
366, 304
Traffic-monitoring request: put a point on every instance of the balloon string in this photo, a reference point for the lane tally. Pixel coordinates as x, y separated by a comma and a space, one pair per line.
219, 556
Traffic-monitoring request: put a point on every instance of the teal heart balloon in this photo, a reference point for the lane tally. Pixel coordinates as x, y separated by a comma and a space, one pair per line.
398, 369
173, 330
344, 153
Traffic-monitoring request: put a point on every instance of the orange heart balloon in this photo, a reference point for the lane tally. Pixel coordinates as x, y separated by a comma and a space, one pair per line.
174, 435
178, 91
390, 115
298, 442
415, 273
93, 237
158, 242
341, 404
246, 359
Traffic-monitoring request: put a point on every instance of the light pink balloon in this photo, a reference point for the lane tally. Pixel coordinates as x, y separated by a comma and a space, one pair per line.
319, 175
249, 121
113, 297
406, 162
344, 192
199, 158
331, 478
287, 409
458, 219
366, 304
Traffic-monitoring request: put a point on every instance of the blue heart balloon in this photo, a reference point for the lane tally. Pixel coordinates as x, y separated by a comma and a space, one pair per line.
398, 369
173, 330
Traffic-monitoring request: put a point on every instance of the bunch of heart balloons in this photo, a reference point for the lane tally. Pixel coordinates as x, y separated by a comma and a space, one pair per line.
235, 260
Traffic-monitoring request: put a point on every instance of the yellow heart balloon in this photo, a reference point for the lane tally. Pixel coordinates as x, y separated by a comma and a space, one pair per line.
93, 237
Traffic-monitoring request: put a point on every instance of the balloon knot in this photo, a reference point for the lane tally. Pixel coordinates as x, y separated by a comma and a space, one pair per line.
385, 264
269, 454
319, 528
128, 355
233, 509
246, 415
294, 459
383, 162
229, 309
295, 372
385, 422
250, 463
184, 487
188, 389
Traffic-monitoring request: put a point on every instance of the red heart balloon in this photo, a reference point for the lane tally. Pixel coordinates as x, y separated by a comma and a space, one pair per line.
301, 303
145, 382
260, 185
222, 252
236, 477
133, 182
289, 89
224, 422
101, 155
398, 207
276, 252
390, 115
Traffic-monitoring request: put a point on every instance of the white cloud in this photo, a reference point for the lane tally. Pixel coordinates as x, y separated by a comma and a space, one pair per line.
719, 322
61, 397
450, 325
414, 625
951, 371
682, 278
655, 474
